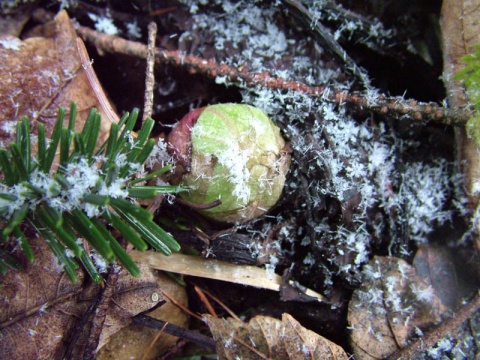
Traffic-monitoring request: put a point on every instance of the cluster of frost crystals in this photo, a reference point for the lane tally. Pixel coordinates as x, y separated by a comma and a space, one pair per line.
11, 43
350, 179
246, 26
424, 192
363, 169
83, 179
372, 33
454, 346
104, 24
159, 155
248, 33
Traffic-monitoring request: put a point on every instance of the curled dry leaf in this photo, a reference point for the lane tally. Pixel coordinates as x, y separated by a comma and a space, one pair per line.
265, 337
40, 74
391, 306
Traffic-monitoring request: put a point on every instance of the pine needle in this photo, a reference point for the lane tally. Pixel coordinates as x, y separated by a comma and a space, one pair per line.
89, 189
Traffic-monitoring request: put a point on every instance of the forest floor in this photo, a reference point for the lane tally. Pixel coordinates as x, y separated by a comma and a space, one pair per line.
375, 218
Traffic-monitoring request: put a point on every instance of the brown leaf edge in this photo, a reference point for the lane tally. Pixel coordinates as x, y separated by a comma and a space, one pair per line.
264, 337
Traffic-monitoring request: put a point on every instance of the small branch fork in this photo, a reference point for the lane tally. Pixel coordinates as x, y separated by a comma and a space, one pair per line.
394, 107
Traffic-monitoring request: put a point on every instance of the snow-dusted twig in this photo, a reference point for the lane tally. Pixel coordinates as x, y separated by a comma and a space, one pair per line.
391, 106
150, 77
438, 333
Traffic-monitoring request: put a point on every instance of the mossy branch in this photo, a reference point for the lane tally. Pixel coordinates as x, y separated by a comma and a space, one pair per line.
470, 77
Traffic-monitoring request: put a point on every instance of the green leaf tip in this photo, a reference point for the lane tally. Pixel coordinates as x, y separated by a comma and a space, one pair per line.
74, 187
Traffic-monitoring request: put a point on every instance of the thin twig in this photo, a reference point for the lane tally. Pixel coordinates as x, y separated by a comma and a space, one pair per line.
150, 76
100, 314
180, 305
146, 355
79, 327
439, 332
395, 107
225, 307
41, 307
175, 330
205, 301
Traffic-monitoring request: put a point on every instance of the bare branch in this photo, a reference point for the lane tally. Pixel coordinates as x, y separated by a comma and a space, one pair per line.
438, 333
395, 107
150, 77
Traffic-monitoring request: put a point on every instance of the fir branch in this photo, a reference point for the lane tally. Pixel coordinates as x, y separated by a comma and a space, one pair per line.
377, 103
76, 197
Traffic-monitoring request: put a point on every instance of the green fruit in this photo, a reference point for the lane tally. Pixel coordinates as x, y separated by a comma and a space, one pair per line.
233, 153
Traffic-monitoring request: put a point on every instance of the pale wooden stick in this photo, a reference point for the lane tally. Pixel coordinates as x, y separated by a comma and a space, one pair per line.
94, 83
214, 269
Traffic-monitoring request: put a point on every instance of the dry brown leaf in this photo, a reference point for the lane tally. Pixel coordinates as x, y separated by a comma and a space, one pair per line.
435, 265
265, 337
133, 295
45, 333
391, 306
40, 335
461, 31
133, 341
13, 24
42, 74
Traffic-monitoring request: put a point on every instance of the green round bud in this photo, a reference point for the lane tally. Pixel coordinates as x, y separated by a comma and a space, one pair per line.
233, 153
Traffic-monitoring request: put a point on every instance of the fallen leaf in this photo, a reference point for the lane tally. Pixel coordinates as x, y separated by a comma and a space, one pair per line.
265, 337
391, 306
13, 24
133, 341
461, 31
31, 327
435, 265
133, 295
40, 74
39, 335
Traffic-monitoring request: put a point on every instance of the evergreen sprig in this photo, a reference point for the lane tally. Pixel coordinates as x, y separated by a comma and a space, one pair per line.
70, 190
470, 76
